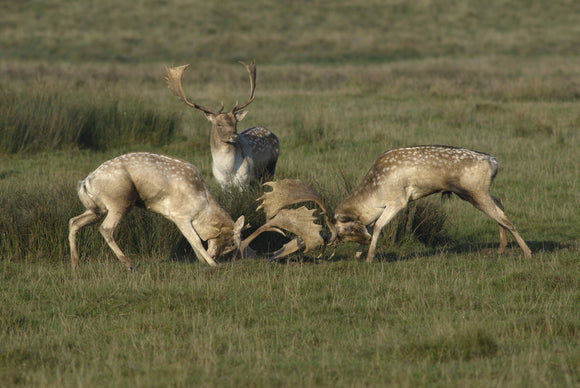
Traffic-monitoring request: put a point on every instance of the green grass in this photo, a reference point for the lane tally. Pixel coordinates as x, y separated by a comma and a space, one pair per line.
339, 83
444, 319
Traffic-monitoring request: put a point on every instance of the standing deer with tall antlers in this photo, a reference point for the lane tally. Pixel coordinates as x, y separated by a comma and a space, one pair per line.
238, 158
396, 178
164, 185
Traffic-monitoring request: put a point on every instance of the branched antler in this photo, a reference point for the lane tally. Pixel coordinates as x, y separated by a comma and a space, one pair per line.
251, 68
174, 75
285, 193
300, 222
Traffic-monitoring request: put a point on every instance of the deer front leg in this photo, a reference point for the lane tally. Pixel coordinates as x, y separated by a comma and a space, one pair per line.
388, 214
194, 240
107, 230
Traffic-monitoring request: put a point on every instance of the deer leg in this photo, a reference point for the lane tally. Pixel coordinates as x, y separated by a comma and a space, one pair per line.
270, 170
489, 205
389, 212
107, 230
359, 251
75, 224
192, 237
502, 231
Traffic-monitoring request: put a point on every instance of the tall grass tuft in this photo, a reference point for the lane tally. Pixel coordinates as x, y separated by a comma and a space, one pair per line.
34, 226
49, 118
32, 222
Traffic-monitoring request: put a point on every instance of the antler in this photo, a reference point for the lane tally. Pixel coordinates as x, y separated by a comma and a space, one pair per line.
287, 192
174, 75
300, 222
251, 68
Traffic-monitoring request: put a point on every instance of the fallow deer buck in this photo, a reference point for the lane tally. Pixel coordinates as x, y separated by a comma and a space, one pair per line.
239, 159
164, 185
396, 178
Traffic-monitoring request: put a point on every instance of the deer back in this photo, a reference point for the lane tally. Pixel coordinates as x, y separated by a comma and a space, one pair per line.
260, 145
411, 173
165, 185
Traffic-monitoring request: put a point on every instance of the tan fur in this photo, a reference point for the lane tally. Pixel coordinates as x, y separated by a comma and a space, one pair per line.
407, 174
162, 184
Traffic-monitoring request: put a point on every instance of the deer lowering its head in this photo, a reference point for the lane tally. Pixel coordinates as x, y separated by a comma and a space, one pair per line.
164, 185
396, 178
238, 158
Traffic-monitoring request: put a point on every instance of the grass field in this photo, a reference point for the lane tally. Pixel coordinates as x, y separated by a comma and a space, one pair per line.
339, 83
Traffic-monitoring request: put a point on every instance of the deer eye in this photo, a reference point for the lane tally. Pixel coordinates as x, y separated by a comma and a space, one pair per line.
343, 218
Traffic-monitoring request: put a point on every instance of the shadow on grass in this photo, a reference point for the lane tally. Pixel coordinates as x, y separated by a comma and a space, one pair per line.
183, 252
537, 247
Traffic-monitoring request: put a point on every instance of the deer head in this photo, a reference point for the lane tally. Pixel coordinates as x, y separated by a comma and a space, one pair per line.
224, 124
351, 229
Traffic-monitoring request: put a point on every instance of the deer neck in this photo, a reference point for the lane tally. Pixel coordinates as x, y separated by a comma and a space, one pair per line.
230, 165
211, 219
222, 148
361, 206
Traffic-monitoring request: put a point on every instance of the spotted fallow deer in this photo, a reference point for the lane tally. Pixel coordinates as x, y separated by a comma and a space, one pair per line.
396, 178
239, 159
164, 185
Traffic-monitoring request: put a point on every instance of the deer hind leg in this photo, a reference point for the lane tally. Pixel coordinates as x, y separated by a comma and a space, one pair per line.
502, 231
75, 224
493, 207
194, 240
270, 170
107, 230
388, 214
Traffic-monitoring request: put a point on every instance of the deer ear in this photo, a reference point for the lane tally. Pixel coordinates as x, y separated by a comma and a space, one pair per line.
239, 226
241, 114
209, 116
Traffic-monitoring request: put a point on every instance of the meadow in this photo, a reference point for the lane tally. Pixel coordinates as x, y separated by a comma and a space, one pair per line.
339, 83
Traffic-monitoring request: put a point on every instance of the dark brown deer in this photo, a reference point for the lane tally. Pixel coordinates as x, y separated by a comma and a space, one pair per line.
238, 158
396, 178
165, 185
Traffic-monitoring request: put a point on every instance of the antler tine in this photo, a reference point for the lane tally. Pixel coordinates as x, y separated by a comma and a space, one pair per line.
251, 68
173, 78
294, 245
289, 192
267, 227
297, 221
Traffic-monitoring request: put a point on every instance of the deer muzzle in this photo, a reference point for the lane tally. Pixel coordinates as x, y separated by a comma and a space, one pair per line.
233, 139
